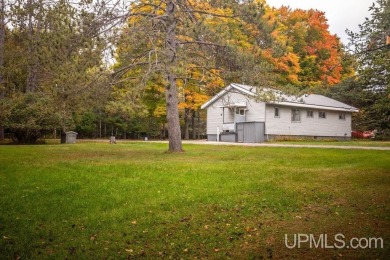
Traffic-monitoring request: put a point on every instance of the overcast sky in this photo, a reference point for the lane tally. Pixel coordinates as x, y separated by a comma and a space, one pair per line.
341, 14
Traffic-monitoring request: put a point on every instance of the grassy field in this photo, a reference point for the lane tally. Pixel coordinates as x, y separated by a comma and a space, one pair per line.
133, 200
369, 143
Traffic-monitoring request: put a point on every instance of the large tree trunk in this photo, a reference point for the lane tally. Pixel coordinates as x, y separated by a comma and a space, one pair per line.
174, 132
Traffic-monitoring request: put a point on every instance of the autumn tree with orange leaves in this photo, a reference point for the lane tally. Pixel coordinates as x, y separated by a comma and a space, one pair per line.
308, 55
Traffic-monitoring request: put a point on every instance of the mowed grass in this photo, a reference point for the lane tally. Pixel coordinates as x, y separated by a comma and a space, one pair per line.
133, 200
355, 142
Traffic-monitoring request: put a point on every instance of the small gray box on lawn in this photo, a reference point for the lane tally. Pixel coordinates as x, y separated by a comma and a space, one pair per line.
70, 137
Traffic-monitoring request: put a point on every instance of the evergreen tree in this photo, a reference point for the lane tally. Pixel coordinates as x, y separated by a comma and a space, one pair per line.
373, 75
53, 56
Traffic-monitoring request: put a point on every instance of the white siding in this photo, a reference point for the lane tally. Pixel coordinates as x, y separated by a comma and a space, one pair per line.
255, 111
214, 119
330, 126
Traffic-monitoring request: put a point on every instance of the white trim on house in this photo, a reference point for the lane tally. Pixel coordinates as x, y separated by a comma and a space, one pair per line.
234, 105
303, 105
224, 91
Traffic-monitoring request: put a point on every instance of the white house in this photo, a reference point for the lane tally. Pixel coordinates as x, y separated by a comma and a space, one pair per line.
237, 114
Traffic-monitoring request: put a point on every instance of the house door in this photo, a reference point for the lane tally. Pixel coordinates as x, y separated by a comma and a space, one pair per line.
239, 115
240, 132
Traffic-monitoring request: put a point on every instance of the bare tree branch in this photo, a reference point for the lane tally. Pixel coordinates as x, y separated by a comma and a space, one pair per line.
202, 43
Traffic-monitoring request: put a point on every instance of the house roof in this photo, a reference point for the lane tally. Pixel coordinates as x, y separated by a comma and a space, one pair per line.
304, 101
241, 88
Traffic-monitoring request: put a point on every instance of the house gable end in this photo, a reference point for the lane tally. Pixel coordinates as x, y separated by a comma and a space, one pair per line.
232, 88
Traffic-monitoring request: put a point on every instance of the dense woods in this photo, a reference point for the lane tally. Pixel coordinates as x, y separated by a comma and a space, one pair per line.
143, 68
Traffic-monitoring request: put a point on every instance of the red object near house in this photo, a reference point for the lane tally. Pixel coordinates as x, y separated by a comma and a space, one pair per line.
363, 135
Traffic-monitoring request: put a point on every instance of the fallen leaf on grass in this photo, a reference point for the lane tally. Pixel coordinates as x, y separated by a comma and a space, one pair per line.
185, 219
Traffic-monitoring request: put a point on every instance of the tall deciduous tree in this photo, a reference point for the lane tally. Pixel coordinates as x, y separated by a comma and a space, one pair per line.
306, 55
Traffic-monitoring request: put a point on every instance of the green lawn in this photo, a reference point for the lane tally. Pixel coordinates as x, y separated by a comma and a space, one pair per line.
95, 200
369, 143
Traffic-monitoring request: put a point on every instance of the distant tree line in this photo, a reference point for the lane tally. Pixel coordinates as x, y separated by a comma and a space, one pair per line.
143, 68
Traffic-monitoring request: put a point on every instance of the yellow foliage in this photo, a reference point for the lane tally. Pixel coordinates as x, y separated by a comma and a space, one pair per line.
161, 111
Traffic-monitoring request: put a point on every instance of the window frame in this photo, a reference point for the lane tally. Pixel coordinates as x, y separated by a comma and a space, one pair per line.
239, 110
293, 115
310, 114
276, 112
323, 113
342, 116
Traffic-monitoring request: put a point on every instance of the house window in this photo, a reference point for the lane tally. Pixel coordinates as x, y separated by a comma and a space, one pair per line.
295, 115
240, 111
310, 113
321, 114
276, 114
342, 116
